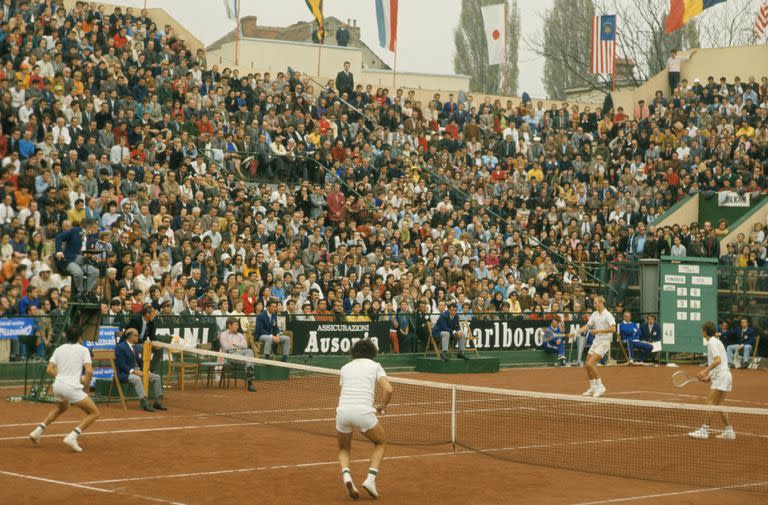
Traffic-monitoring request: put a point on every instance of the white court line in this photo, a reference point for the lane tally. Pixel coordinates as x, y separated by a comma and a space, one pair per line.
83, 486
674, 493
409, 456
683, 395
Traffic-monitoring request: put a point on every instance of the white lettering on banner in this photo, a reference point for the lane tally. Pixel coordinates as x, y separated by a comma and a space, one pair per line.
674, 279
325, 345
519, 337
704, 281
488, 335
732, 199
538, 336
497, 337
506, 340
191, 337
688, 269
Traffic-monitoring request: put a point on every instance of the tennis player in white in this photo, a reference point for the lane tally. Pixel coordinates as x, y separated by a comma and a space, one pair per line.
356, 412
718, 374
67, 365
602, 325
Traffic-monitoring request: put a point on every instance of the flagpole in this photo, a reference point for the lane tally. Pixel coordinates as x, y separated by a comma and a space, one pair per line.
615, 63
319, 52
237, 33
506, 64
394, 69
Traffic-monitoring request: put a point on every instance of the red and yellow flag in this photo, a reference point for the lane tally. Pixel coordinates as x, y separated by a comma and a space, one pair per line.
682, 11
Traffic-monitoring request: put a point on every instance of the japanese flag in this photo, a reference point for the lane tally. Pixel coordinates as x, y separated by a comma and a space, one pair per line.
493, 19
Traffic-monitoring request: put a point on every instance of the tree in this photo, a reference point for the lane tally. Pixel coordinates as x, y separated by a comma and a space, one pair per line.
471, 57
566, 39
567, 32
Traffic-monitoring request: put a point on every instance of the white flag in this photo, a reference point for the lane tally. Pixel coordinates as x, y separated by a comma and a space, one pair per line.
493, 19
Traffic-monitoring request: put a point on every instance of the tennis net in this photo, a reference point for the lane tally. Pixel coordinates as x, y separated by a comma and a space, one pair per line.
625, 438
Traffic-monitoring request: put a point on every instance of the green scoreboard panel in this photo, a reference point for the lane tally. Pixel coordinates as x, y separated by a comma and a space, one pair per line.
688, 297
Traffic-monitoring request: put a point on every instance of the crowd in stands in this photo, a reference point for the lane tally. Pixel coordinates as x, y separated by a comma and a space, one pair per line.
368, 203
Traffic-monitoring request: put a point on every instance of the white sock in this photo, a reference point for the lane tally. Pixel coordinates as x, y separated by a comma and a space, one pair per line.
346, 475
372, 472
592, 383
75, 433
729, 428
599, 382
41, 427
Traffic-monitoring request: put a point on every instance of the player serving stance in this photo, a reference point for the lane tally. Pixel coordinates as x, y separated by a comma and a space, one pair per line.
66, 365
602, 325
719, 376
356, 412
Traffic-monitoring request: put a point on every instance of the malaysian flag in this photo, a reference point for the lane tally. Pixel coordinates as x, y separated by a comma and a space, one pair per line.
761, 21
603, 44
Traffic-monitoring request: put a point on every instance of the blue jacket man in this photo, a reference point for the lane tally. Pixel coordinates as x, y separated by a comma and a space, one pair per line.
641, 348
628, 330
447, 325
744, 341
268, 333
554, 340
69, 246
129, 365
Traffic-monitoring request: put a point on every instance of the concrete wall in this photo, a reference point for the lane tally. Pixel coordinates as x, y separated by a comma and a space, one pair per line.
727, 62
159, 16
413, 80
758, 215
685, 214
260, 55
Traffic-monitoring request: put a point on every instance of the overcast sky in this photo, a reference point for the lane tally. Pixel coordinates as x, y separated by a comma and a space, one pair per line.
425, 31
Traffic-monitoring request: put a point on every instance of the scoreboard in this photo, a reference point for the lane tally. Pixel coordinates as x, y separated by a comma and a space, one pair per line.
688, 297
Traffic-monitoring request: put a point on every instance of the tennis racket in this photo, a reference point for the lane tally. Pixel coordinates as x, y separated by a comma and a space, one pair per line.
680, 379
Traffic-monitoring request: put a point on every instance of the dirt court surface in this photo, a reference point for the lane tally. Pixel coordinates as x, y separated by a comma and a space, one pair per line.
183, 457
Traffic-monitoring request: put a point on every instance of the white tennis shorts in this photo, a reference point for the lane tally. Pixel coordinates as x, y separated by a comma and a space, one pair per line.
68, 393
360, 419
722, 381
600, 346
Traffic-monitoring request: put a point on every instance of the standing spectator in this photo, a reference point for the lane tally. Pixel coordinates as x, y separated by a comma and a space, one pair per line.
673, 68
342, 36
345, 82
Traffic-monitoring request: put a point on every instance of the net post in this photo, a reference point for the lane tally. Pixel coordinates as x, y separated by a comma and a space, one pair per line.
453, 417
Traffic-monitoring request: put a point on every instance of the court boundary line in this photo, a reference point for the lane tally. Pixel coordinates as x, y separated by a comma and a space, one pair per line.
86, 487
460, 452
674, 493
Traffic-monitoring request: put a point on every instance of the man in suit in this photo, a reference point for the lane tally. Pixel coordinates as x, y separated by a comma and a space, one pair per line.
345, 81
144, 324
745, 342
447, 325
129, 369
650, 332
69, 246
268, 333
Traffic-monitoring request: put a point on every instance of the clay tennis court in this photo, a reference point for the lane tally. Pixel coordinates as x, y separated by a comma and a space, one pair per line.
185, 456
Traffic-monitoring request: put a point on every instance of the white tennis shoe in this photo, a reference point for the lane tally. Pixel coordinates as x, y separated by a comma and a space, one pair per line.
351, 489
370, 486
35, 435
72, 443
702, 433
600, 391
588, 392
727, 434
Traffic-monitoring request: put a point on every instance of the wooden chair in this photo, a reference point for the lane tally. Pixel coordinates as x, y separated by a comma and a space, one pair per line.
109, 355
431, 342
469, 337
180, 361
623, 350
754, 360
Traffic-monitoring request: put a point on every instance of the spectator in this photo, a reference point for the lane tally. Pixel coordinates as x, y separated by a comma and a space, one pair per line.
129, 369
234, 342
268, 332
342, 36
745, 342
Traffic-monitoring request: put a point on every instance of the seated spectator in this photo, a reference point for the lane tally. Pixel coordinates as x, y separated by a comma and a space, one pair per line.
744, 338
232, 341
628, 330
129, 366
268, 332
447, 327
554, 340
641, 348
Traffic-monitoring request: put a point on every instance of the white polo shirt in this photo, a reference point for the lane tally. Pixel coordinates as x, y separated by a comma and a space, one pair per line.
358, 383
69, 360
602, 321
